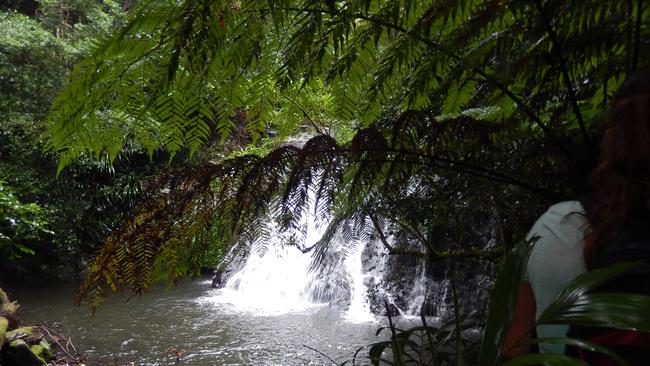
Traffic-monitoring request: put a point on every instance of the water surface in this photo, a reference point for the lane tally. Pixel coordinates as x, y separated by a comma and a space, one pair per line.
202, 321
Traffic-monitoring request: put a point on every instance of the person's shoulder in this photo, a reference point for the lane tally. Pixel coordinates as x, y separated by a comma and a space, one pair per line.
565, 208
562, 216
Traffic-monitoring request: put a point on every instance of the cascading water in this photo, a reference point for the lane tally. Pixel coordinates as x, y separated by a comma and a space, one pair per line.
359, 309
279, 281
357, 277
276, 282
420, 290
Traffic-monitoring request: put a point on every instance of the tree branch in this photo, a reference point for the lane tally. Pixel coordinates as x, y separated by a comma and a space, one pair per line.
306, 115
568, 84
380, 232
415, 232
433, 255
477, 171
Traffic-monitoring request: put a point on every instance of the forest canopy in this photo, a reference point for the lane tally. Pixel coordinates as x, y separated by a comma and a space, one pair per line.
428, 117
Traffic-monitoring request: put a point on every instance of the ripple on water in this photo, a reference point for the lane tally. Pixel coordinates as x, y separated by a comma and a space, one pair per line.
193, 317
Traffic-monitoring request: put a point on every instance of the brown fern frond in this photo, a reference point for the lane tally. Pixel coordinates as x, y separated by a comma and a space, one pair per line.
231, 198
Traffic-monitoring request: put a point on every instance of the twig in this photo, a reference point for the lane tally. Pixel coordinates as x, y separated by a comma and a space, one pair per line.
56, 340
306, 115
321, 353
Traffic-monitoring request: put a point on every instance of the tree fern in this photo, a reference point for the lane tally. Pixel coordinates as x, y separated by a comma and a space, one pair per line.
447, 94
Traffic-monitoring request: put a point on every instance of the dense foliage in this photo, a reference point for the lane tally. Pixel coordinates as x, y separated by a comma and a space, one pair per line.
466, 114
19, 222
56, 223
441, 127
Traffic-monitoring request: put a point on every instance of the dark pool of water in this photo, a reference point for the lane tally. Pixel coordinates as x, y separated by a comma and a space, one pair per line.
185, 317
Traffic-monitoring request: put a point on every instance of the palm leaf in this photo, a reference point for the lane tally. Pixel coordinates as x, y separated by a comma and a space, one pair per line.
586, 345
575, 305
503, 300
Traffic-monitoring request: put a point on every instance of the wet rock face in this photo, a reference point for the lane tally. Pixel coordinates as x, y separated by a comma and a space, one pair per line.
332, 287
400, 284
393, 284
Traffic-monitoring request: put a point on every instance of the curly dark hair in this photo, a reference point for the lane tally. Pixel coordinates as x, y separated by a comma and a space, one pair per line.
620, 183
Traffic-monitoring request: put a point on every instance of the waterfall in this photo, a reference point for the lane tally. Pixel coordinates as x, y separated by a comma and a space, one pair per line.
277, 279
359, 309
274, 282
420, 290
358, 278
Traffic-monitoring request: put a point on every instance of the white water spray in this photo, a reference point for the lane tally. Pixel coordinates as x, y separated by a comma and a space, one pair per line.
279, 281
419, 293
359, 310
271, 284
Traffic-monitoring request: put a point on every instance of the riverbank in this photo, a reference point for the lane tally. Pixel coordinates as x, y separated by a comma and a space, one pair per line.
32, 345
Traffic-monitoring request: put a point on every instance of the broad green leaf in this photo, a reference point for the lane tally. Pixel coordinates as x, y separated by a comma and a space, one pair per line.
502, 301
574, 305
589, 346
615, 310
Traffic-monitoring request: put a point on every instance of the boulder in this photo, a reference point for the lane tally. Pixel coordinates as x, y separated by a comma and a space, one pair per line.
18, 353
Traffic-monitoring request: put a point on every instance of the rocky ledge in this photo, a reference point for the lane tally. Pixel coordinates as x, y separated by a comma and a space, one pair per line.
27, 345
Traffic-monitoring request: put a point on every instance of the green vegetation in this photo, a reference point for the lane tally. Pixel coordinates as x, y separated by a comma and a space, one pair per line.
54, 223
463, 113
427, 119
20, 222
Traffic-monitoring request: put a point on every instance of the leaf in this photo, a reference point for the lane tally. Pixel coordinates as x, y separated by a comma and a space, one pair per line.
574, 305
503, 299
589, 346
458, 95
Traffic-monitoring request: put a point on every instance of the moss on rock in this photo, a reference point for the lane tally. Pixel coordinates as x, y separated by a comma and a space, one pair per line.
43, 350
18, 353
7, 306
21, 332
3, 297
4, 324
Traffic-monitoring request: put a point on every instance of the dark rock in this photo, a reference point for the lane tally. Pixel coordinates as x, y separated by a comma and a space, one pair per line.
413, 285
216, 279
18, 353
